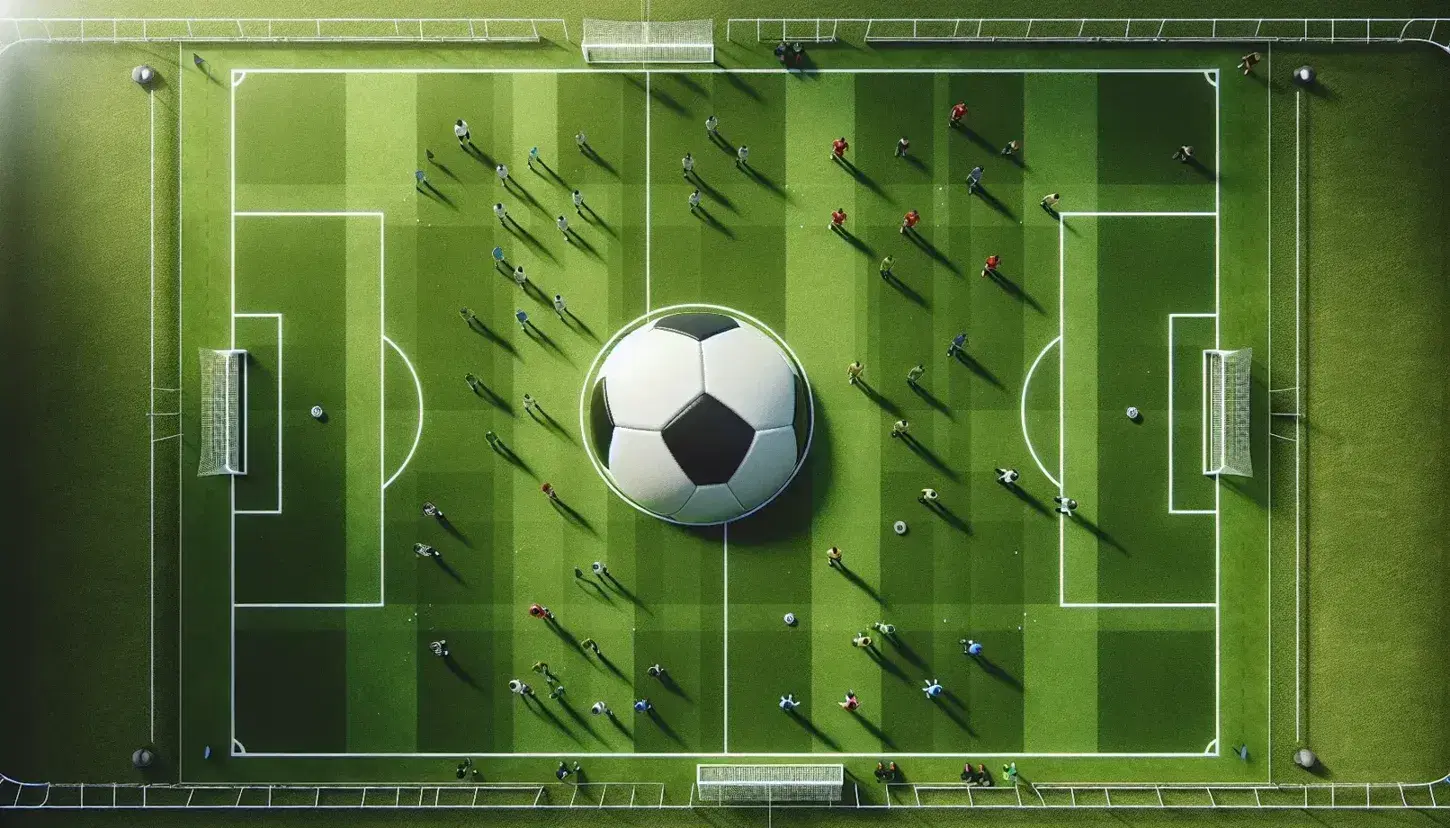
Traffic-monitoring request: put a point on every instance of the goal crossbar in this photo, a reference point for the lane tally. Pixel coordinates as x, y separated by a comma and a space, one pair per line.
643, 41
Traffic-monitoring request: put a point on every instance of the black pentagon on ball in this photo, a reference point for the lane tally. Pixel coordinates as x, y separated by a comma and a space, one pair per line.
601, 422
708, 440
700, 326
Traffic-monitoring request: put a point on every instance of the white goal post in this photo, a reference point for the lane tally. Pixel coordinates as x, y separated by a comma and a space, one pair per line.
1226, 447
635, 41
725, 784
222, 381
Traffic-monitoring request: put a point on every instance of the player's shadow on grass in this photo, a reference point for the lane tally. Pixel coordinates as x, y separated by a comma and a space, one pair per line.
998, 673
490, 334
714, 194
925, 453
906, 651
864, 180
564, 635
620, 726
612, 667
931, 400
976, 138
668, 682
978, 368
489, 396
579, 719
572, 321
740, 84
767, 182
664, 726
574, 517
515, 460
1201, 169
548, 170
1028, 498
860, 584
581, 243
953, 710
479, 155
725, 145
1014, 289
463, 675
870, 726
439, 165
664, 98
1016, 159
539, 708
916, 162
851, 239
713, 223
531, 241
427, 189
876, 397
995, 203
448, 570
887, 664
594, 589
599, 160
591, 217
624, 591
688, 82
527, 196
930, 249
547, 421
905, 290
810, 727
951, 518
1100, 534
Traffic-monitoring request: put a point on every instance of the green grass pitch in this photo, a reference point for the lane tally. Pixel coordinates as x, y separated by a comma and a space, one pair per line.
1138, 642
344, 286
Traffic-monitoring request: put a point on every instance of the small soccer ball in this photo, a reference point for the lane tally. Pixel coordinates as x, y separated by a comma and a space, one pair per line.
1133, 413
143, 75
143, 758
789, 619
899, 527
1304, 75
317, 412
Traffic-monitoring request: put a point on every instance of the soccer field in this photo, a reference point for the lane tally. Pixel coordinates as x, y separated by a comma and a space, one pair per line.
342, 281
1172, 618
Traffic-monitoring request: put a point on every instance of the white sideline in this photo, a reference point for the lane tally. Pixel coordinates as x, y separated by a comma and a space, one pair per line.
151, 419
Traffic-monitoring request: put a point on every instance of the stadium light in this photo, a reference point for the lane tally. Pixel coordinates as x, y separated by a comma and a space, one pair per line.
1304, 75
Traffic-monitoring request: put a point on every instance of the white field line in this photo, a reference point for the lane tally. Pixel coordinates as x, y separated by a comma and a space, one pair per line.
1172, 510
232, 256
247, 388
1217, 484
688, 755
418, 434
1269, 383
725, 556
648, 300
1062, 438
151, 422
369, 70
1027, 383
180, 419
1298, 600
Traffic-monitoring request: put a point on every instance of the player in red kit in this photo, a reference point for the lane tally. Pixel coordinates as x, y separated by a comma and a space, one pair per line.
908, 222
958, 113
838, 149
838, 219
989, 268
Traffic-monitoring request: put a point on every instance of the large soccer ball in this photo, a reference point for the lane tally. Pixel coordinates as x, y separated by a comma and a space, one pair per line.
698, 417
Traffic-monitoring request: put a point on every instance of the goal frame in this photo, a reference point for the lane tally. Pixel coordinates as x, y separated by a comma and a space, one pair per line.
233, 438
1222, 420
759, 778
645, 41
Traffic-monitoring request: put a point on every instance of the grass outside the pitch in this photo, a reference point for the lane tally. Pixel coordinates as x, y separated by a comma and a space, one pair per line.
1328, 656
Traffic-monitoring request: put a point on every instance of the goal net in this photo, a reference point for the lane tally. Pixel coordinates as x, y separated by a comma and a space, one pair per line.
632, 41
221, 412
1226, 412
723, 784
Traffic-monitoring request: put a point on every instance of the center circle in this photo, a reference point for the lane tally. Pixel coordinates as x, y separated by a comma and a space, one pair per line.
697, 414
